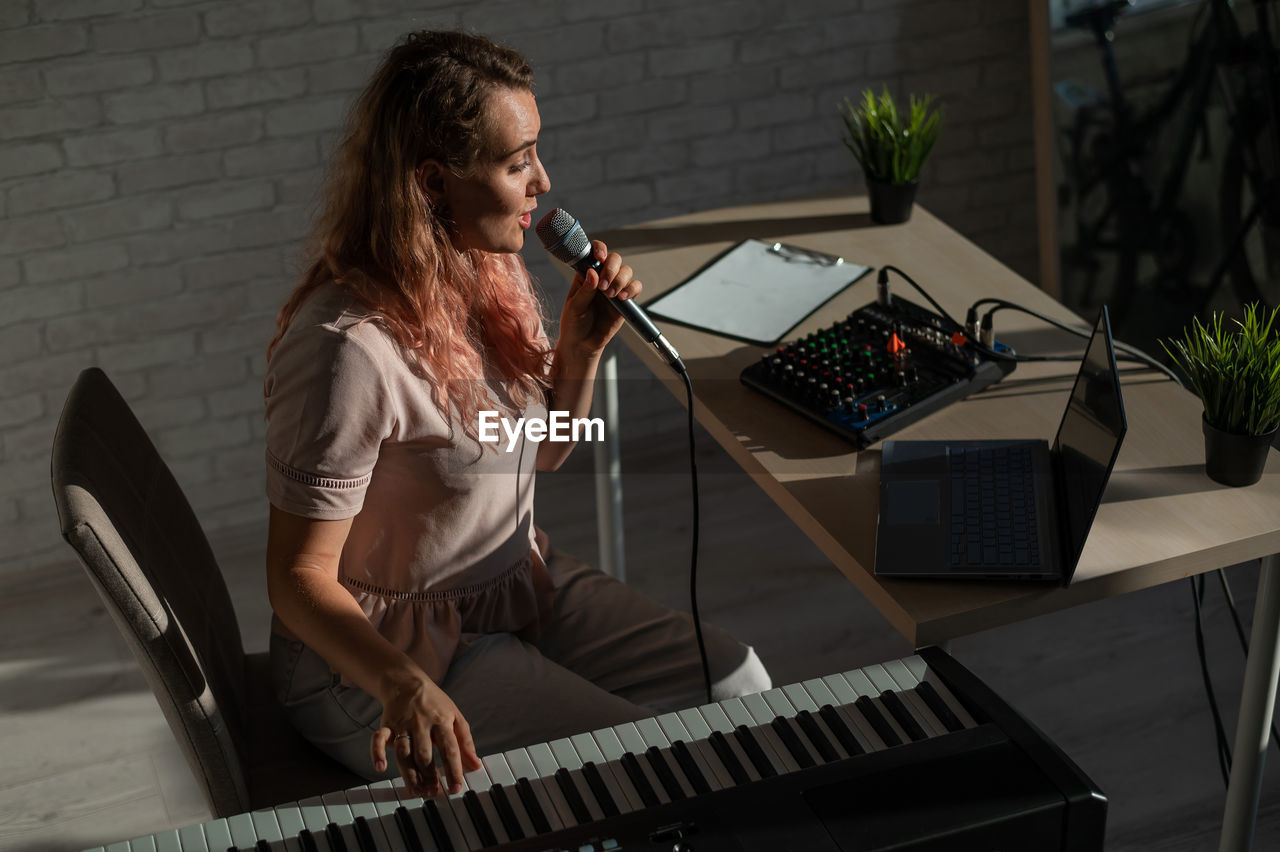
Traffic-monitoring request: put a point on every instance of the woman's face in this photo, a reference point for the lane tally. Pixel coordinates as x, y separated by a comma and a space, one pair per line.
492, 205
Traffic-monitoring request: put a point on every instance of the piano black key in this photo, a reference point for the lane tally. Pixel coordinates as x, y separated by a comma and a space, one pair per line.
435, 825
690, 767
728, 758
478, 819
893, 703
811, 729
407, 831
265, 846
835, 722
939, 707
881, 725
666, 777
600, 790
639, 781
531, 806
364, 836
570, 793
764, 768
506, 813
333, 834
308, 841
789, 739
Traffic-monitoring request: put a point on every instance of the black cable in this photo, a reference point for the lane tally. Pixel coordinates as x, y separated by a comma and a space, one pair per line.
1133, 352
883, 277
1224, 750
693, 564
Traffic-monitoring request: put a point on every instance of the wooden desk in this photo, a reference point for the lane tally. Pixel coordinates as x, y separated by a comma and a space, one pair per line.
1162, 518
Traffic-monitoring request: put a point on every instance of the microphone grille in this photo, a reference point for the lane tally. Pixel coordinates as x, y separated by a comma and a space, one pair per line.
563, 236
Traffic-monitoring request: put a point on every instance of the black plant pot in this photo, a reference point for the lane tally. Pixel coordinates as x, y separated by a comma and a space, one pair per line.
891, 202
1234, 459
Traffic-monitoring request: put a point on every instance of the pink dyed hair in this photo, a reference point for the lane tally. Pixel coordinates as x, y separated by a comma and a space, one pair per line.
380, 236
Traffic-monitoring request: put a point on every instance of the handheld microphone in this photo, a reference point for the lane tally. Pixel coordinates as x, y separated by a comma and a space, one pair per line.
562, 235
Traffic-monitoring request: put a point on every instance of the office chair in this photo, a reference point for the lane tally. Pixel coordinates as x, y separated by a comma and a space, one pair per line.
140, 543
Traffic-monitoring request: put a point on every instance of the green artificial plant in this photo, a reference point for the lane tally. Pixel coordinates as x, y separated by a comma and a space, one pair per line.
1236, 373
888, 148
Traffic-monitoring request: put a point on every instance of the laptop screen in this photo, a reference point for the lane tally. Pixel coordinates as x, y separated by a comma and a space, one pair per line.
1088, 439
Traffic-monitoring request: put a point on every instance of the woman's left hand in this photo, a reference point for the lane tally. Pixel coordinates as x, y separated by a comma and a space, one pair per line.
588, 323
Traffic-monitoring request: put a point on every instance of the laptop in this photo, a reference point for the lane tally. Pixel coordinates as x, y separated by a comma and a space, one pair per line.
1005, 510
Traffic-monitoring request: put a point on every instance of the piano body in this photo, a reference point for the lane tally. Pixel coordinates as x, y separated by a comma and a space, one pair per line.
914, 754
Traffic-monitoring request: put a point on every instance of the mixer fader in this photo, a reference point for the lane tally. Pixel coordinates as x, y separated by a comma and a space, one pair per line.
876, 371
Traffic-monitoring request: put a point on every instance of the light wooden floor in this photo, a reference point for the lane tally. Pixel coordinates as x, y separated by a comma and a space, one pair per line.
86, 757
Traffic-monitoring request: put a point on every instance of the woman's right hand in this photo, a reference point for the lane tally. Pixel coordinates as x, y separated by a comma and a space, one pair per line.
416, 706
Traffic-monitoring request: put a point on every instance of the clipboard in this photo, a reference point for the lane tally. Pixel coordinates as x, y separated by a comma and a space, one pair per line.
756, 291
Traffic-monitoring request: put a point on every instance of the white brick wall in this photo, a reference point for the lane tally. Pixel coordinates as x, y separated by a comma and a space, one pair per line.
159, 160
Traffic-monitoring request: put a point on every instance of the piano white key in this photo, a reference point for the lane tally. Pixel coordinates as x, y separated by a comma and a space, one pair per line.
587, 749
777, 701
923, 673
118, 846
243, 833
863, 686
265, 825
454, 803
801, 700
413, 806
763, 715
361, 801
654, 738
522, 767
501, 775
217, 838
339, 813
479, 782
846, 696
546, 765
717, 720
289, 818
712, 772
739, 715
383, 803
192, 838
612, 749
907, 683
822, 695
314, 819
167, 841
567, 756
145, 844
452, 813
633, 742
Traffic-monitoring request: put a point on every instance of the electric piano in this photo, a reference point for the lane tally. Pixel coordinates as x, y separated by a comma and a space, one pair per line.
912, 754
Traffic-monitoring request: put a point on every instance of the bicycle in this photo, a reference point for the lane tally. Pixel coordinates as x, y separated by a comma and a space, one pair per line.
1109, 153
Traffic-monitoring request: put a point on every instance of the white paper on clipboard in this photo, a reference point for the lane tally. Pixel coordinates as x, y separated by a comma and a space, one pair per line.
757, 291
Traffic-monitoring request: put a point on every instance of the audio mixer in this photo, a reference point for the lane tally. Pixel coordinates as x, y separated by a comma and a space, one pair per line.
876, 371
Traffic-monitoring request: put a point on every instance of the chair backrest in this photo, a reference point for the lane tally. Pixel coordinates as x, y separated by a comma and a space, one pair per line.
128, 520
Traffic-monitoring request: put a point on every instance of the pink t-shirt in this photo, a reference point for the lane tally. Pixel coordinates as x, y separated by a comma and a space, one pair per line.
441, 547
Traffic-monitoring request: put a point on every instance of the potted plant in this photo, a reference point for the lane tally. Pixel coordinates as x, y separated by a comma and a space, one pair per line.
891, 148
1236, 374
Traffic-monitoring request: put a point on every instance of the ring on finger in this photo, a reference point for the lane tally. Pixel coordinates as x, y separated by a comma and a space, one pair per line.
404, 736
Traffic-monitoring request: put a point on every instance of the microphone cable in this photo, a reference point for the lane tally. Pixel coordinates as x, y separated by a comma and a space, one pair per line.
693, 560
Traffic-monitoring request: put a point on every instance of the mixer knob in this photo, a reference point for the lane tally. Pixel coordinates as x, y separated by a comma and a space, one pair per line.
902, 378
861, 411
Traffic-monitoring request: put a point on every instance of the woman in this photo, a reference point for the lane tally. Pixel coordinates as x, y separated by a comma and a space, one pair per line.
416, 606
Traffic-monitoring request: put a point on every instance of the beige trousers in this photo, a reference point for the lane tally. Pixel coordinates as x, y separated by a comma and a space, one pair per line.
609, 655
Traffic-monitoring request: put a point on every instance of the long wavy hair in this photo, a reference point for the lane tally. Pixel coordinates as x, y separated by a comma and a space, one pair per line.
381, 237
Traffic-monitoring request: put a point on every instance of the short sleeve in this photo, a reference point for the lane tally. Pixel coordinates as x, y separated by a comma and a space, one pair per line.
328, 412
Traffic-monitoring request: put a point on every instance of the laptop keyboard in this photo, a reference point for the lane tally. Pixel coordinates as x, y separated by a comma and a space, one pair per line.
993, 506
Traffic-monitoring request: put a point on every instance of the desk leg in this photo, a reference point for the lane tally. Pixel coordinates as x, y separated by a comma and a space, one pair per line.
1256, 703
607, 457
